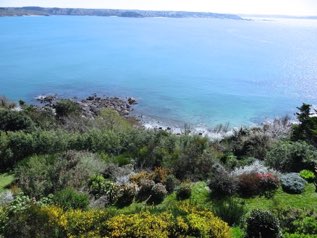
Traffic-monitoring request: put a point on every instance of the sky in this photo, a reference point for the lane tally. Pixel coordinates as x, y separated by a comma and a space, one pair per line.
274, 7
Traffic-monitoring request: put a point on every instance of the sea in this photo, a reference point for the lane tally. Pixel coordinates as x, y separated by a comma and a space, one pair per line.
194, 71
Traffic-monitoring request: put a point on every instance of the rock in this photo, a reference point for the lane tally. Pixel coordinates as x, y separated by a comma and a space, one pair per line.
131, 101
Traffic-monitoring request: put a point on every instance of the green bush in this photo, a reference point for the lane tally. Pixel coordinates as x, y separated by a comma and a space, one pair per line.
306, 225
15, 121
221, 183
262, 224
230, 211
99, 186
308, 175
66, 108
183, 192
69, 198
288, 156
170, 183
30, 223
41, 175
293, 183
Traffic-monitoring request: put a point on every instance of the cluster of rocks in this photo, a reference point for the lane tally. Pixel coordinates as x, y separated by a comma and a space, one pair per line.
91, 105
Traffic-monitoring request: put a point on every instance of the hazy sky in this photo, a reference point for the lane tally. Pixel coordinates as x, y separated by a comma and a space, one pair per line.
286, 7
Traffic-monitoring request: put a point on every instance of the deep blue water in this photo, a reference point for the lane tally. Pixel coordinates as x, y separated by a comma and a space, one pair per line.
206, 71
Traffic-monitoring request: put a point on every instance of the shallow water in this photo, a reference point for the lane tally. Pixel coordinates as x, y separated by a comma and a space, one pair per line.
200, 71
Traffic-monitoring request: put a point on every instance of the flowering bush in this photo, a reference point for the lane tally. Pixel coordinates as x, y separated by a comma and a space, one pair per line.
255, 167
251, 184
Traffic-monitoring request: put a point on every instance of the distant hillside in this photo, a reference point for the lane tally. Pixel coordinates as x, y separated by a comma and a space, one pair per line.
27, 11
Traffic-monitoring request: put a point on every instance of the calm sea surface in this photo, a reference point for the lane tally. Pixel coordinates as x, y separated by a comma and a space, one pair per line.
201, 71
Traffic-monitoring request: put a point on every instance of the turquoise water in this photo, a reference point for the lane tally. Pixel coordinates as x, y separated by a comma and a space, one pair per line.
200, 71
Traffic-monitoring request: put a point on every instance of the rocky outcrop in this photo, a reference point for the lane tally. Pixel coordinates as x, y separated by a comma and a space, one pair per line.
92, 105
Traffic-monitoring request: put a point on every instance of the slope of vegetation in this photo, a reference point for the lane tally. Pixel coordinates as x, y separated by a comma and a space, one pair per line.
64, 175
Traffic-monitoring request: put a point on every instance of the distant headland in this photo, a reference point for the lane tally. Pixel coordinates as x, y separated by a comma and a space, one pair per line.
39, 11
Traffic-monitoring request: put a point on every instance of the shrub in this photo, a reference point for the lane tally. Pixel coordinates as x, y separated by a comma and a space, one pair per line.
15, 121
293, 183
99, 186
222, 183
197, 222
6, 103
250, 143
230, 210
298, 235
29, 223
185, 221
306, 129
142, 175
289, 156
306, 225
183, 192
126, 195
170, 183
262, 224
251, 184
158, 194
142, 224
308, 175
68, 198
255, 167
145, 190
41, 175
160, 174
66, 108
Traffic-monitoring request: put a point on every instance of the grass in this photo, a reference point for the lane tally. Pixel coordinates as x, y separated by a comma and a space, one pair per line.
5, 180
282, 199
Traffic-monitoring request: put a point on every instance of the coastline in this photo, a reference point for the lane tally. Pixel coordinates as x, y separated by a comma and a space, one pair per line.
125, 106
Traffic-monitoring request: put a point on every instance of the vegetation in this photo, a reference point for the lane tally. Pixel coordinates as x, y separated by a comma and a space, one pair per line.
64, 175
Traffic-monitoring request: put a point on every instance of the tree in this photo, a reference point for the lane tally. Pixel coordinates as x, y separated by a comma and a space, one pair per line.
307, 128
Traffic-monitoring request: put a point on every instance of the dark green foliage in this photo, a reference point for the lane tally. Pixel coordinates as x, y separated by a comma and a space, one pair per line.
290, 156
307, 128
15, 121
194, 161
250, 143
262, 224
30, 223
221, 183
158, 194
69, 198
145, 190
183, 192
293, 183
230, 210
66, 108
41, 175
170, 183
126, 195
44, 118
